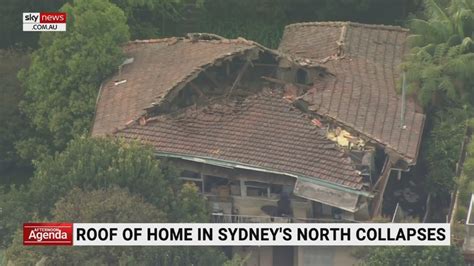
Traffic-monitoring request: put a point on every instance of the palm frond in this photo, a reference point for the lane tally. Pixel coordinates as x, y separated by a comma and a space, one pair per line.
435, 10
425, 95
415, 40
448, 87
426, 53
454, 40
467, 45
463, 21
444, 30
454, 51
420, 26
440, 51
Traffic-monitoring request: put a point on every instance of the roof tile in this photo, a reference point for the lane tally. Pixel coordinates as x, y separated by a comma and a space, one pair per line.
362, 95
246, 133
158, 67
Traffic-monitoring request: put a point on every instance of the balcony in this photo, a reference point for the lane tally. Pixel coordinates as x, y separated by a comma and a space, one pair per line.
237, 209
235, 218
253, 206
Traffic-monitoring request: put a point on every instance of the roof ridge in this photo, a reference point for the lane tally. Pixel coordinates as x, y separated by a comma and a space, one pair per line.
158, 40
346, 23
197, 37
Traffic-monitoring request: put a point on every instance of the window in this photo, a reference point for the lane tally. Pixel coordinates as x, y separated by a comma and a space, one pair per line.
257, 189
192, 177
212, 184
276, 189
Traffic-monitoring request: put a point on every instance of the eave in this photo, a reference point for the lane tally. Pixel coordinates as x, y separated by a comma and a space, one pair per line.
237, 165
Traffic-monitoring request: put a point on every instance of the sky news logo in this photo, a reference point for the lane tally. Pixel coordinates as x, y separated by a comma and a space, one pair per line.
44, 21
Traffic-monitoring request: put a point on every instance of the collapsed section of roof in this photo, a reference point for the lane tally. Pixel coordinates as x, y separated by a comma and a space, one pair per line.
156, 70
201, 98
263, 131
159, 66
360, 92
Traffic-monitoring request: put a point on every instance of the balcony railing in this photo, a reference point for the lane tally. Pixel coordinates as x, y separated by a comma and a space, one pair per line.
233, 218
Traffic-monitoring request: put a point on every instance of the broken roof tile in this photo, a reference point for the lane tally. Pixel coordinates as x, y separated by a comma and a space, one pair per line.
260, 131
159, 66
362, 95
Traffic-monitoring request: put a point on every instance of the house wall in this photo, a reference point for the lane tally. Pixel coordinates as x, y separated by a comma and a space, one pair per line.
256, 256
251, 206
233, 199
324, 256
297, 256
233, 174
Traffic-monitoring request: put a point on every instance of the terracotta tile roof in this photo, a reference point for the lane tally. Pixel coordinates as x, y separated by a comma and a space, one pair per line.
364, 60
262, 131
159, 66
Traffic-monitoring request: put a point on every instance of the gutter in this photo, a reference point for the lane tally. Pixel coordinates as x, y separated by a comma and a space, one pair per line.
236, 165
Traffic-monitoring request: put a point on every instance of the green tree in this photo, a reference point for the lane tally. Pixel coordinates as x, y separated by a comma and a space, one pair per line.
66, 71
108, 206
188, 199
416, 256
89, 164
263, 21
14, 125
147, 18
15, 210
440, 67
441, 148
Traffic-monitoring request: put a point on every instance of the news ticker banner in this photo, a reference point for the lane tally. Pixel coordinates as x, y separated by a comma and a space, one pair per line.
44, 21
248, 234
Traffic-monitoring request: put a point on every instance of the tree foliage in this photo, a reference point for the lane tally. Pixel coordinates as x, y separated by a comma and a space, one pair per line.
91, 164
146, 18
440, 67
416, 256
13, 124
261, 20
15, 208
66, 71
108, 206
465, 182
264, 21
99, 163
442, 146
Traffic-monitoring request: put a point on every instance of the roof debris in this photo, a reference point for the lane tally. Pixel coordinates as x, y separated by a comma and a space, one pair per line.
260, 131
325, 97
361, 97
344, 139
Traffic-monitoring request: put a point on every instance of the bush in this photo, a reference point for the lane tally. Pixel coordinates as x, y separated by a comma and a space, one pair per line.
14, 126
441, 148
109, 206
63, 80
15, 210
92, 163
461, 213
416, 256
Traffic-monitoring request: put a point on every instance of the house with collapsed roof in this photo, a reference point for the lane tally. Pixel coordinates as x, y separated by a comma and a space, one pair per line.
310, 132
